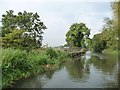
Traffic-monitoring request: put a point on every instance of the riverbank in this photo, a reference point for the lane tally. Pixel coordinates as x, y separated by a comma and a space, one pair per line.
110, 51
18, 64
94, 70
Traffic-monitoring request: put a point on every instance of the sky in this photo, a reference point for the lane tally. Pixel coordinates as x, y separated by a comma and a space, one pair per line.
58, 15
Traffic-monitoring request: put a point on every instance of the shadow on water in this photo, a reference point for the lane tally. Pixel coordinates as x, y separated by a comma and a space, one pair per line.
93, 70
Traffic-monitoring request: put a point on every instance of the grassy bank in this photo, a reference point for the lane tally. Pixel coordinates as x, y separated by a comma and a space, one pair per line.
18, 64
110, 51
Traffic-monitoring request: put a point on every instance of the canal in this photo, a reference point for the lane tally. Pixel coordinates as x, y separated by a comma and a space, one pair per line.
92, 70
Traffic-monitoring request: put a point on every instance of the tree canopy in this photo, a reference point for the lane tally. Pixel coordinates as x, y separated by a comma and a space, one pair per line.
25, 22
77, 35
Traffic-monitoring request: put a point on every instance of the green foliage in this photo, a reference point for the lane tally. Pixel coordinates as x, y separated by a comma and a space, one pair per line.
56, 56
13, 61
111, 52
51, 53
77, 35
18, 64
12, 39
98, 44
109, 37
66, 45
26, 21
116, 18
116, 13
89, 44
16, 39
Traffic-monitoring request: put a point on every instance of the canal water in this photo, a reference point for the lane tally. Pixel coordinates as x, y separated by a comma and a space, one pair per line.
92, 70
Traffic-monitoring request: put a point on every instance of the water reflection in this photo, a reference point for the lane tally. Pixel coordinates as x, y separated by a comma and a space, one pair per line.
93, 70
106, 65
78, 70
49, 74
94, 67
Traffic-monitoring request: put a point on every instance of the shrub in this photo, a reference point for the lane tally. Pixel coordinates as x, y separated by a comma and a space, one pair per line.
14, 58
51, 53
14, 64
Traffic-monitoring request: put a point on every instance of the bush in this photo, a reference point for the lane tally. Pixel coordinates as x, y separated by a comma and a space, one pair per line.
13, 59
51, 53
99, 46
14, 64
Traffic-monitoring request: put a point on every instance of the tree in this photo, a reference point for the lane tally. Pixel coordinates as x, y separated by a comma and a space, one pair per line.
98, 44
116, 12
116, 18
105, 39
26, 21
109, 34
77, 35
109, 37
16, 39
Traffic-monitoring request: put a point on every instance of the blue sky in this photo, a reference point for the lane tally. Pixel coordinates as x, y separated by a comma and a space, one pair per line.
59, 15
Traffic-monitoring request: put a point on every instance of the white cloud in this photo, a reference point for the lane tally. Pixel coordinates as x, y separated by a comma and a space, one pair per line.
56, 31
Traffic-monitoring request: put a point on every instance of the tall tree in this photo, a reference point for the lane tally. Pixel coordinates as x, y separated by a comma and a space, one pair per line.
116, 13
109, 37
27, 21
77, 35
